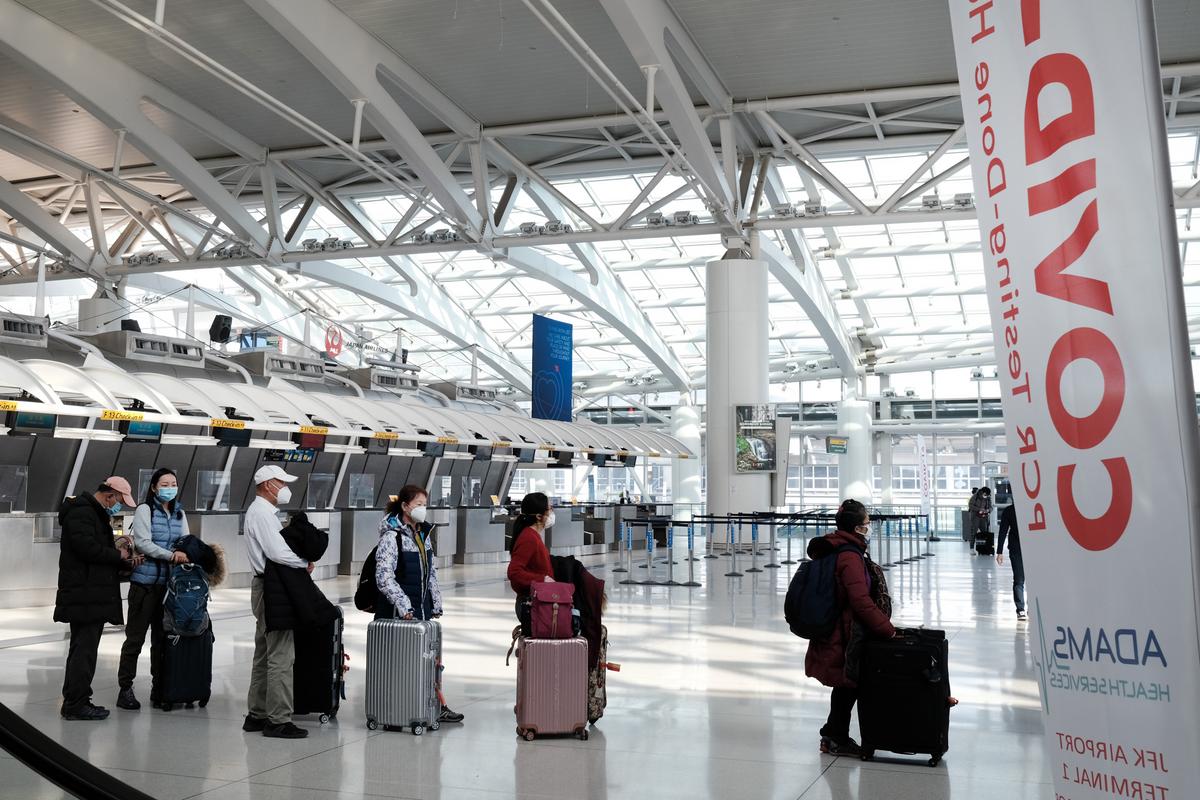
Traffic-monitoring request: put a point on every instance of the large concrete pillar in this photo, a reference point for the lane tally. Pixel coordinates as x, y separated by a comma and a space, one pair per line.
737, 349
854, 467
685, 472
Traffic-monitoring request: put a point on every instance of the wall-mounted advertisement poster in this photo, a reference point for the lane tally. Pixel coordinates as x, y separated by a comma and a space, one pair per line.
754, 427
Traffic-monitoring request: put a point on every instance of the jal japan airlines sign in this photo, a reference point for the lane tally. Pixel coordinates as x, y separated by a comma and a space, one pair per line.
1064, 113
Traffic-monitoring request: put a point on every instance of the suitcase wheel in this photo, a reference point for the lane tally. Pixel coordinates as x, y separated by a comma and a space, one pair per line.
582, 734
528, 735
417, 730
204, 701
372, 725
168, 706
323, 719
935, 760
435, 725
868, 755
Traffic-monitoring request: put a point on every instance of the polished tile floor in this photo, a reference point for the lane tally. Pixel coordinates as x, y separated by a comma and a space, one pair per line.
710, 702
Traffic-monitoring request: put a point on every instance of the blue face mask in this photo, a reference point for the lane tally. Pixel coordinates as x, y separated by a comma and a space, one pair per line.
116, 509
167, 493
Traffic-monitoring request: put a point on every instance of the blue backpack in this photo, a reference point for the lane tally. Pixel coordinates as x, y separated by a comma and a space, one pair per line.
185, 607
811, 605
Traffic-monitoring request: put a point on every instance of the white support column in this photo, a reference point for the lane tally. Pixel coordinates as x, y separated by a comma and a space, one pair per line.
737, 374
685, 472
854, 471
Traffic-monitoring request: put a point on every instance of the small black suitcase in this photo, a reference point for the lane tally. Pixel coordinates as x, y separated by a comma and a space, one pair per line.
318, 675
187, 670
985, 544
904, 694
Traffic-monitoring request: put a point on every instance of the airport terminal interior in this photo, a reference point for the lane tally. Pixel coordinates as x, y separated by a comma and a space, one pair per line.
697, 271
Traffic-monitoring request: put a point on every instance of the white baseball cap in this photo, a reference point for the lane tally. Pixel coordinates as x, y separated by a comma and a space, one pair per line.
270, 472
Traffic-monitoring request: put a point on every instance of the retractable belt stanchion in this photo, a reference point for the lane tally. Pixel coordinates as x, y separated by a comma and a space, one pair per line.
876, 535
772, 550
710, 544
804, 528
629, 552
791, 534
691, 561
620, 548
671, 554
649, 557
754, 548
733, 573
886, 543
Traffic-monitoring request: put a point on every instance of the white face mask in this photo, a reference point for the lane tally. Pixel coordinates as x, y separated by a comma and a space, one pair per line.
284, 497
550, 520
418, 514
866, 536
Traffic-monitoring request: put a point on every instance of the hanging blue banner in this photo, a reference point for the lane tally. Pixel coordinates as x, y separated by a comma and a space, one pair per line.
552, 352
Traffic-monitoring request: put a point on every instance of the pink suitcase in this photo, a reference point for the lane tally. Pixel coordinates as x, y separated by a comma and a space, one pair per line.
552, 687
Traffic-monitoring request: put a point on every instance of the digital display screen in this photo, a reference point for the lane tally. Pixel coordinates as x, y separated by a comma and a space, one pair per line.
31, 423
309, 441
377, 447
526, 455
629, 461
142, 431
232, 437
481, 453
433, 449
599, 459
301, 455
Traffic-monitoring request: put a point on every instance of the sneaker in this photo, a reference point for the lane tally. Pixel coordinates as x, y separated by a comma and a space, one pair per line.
845, 747
285, 731
450, 716
1021, 616
254, 724
86, 713
127, 701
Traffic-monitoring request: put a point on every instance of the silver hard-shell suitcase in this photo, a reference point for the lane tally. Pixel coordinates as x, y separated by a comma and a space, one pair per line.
402, 674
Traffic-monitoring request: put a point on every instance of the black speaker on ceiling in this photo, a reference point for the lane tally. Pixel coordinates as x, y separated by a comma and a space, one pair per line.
131, 325
219, 331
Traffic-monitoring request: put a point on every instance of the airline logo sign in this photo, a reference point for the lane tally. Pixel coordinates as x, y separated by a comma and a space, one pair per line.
1064, 118
8, 405
230, 424
386, 435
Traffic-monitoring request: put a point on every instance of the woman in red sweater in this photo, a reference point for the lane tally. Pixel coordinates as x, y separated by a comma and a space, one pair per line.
530, 562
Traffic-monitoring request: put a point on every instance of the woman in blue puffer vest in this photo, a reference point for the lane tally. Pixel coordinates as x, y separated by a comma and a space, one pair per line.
158, 524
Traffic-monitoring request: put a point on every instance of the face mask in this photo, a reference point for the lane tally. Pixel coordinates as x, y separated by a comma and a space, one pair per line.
167, 493
418, 514
866, 536
550, 520
284, 497
116, 509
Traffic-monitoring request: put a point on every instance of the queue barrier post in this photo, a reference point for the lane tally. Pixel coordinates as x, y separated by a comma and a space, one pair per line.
671, 555
710, 543
691, 562
628, 552
733, 572
620, 548
754, 548
649, 556
791, 534
772, 549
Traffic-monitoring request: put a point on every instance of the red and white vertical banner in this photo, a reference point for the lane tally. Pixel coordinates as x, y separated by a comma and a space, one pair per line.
1064, 118
923, 476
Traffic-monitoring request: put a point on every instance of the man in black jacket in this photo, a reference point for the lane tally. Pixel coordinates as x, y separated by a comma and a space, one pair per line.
1009, 530
89, 592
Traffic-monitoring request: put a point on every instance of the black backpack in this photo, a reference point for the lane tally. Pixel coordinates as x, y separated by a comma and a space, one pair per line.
811, 605
367, 593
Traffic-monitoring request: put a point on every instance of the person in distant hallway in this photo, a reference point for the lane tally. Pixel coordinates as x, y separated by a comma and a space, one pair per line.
158, 523
89, 592
981, 512
1010, 531
270, 699
826, 658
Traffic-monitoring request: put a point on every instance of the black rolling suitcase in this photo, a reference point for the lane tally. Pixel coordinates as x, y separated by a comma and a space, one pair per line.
985, 544
904, 694
318, 675
187, 670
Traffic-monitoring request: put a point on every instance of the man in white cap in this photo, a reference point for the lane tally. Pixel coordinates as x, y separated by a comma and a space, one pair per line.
89, 589
270, 697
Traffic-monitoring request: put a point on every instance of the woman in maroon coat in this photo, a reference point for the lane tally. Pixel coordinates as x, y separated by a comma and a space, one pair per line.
826, 659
